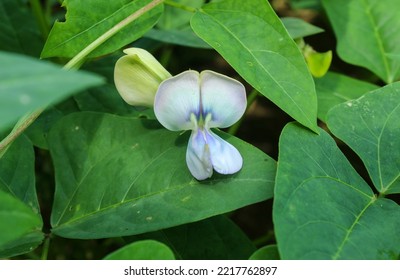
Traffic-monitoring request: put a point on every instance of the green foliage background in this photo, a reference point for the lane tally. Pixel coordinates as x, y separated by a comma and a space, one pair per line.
85, 176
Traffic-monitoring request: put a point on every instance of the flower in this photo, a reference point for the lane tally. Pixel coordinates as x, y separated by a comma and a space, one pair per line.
200, 102
137, 76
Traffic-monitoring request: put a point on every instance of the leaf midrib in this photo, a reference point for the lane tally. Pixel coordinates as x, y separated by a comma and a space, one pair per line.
90, 27
175, 188
350, 230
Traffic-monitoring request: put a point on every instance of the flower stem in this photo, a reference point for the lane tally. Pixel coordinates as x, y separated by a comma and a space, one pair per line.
45, 248
250, 100
180, 6
18, 129
77, 60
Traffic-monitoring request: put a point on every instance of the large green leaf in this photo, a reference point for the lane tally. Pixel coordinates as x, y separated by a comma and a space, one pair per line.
142, 250
250, 36
20, 221
18, 30
323, 209
87, 20
333, 89
119, 176
27, 84
370, 125
216, 238
367, 35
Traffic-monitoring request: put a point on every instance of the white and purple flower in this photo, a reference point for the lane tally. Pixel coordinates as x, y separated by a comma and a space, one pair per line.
200, 102
197, 102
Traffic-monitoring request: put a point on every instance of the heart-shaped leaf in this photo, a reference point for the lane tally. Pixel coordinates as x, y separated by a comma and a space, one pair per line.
250, 36
370, 125
323, 209
119, 176
367, 35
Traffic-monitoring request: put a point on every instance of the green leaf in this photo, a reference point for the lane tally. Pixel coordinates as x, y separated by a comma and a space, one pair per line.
319, 63
216, 238
18, 30
37, 132
184, 37
299, 28
334, 88
142, 250
366, 34
269, 252
88, 20
104, 99
262, 52
17, 223
370, 125
17, 172
20, 221
27, 84
323, 209
119, 176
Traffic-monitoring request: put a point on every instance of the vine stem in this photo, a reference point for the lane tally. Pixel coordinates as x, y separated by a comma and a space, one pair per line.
21, 125
74, 63
250, 100
77, 60
45, 248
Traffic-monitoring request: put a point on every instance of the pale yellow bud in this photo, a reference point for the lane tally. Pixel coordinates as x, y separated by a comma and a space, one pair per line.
137, 76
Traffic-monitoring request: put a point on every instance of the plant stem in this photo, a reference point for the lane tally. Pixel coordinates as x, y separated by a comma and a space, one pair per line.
40, 18
180, 6
78, 59
45, 248
20, 127
74, 63
250, 100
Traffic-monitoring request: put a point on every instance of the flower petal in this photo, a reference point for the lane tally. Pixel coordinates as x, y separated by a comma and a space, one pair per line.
177, 99
223, 97
198, 156
225, 158
137, 76
207, 151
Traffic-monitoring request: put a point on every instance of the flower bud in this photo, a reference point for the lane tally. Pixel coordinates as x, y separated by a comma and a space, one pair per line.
137, 76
